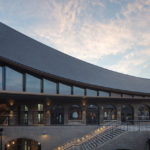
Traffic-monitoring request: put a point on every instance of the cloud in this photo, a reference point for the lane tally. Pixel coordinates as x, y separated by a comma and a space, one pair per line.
72, 27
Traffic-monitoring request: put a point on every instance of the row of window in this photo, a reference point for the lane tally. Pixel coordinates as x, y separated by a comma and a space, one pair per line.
12, 80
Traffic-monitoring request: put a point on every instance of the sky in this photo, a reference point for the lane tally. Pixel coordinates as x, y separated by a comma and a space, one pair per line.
114, 34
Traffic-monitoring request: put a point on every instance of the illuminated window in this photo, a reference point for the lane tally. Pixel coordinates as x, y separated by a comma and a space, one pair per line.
40, 113
78, 91
49, 87
75, 112
33, 84
64, 89
13, 80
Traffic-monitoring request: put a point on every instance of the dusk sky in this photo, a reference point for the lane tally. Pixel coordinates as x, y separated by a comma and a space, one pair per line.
114, 34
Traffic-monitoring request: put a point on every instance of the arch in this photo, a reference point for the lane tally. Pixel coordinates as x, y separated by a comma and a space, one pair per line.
23, 112
23, 144
4, 114
75, 112
143, 112
57, 114
92, 114
110, 112
127, 113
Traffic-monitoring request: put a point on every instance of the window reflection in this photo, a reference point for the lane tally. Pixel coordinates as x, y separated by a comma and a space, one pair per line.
78, 91
90, 92
104, 93
0, 78
75, 112
33, 84
49, 87
13, 80
64, 89
40, 114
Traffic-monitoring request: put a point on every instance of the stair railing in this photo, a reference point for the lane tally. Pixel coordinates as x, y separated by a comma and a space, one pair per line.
76, 143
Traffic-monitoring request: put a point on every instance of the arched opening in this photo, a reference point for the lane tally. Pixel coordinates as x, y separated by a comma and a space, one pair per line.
92, 114
110, 112
57, 114
23, 144
127, 113
23, 115
75, 112
143, 112
4, 114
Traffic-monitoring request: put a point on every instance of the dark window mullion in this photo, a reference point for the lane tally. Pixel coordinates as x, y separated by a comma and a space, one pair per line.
24, 82
4, 78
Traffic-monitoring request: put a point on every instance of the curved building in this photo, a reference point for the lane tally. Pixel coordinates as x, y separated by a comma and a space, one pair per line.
42, 87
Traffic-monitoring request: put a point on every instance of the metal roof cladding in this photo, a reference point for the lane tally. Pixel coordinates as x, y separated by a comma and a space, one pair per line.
18, 47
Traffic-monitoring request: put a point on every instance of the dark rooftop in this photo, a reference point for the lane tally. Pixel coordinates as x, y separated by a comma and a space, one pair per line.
19, 48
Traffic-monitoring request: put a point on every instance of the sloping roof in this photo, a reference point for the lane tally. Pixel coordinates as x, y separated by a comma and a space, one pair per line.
19, 48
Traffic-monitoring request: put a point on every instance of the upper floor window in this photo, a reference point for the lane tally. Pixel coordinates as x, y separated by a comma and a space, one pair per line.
78, 91
40, 113
64, 89
104, 93
33, 84
0, 78
49, 87
13, 80
90, 92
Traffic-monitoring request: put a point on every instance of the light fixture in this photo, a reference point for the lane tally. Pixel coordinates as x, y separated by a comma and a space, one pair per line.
11, 102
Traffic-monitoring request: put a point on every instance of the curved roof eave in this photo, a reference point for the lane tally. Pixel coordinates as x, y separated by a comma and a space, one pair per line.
23, 50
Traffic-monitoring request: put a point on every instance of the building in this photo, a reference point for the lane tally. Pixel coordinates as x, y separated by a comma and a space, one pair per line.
42, 89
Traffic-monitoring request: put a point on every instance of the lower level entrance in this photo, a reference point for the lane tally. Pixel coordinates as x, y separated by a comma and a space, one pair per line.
92, 114
23, 144
127, 113
57, 115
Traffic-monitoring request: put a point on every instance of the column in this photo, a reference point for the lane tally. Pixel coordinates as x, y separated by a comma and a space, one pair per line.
30, 115
66, 116
101, 113
118, 106
84, 115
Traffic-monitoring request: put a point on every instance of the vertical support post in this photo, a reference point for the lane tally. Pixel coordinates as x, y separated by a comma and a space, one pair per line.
66, 107
1, 138
119, 112
42, 85
24, 82
101, 114
4, 78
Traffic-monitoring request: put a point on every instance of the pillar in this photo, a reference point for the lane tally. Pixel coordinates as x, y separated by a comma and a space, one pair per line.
66, 115
84, 115
101, 114
118, 106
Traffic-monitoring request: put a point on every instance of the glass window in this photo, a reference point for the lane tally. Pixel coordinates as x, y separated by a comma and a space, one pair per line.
90, 92
49, 87
40, 113
104, 94
0, 78
40, 107
13, 80
78, 91
64, 89
75, 112
33, 84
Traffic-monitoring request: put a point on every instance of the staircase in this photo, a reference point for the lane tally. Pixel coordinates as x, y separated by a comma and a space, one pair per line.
95, 139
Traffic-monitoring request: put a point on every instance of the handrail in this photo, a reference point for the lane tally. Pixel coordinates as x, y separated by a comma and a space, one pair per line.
77, 142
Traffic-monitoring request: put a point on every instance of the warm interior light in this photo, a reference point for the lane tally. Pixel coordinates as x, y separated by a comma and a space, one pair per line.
8, 145
13, 142
11, 102
48, 102
84, 102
